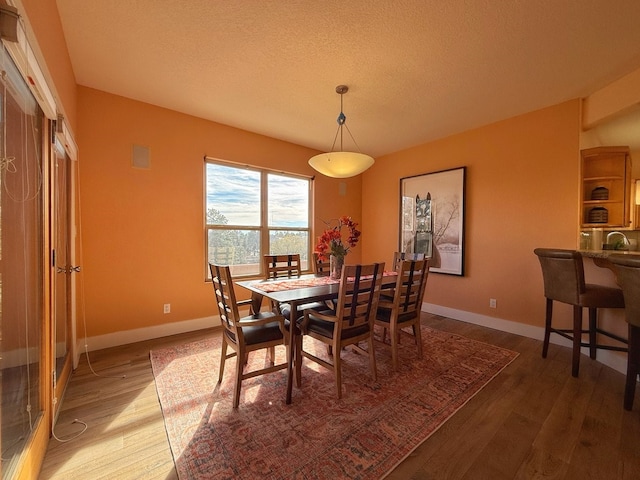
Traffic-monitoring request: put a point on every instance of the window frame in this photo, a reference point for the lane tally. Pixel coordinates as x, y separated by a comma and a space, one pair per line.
263, 228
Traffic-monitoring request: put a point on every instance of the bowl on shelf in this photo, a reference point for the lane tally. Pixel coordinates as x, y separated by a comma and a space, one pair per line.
600, 193
598, 215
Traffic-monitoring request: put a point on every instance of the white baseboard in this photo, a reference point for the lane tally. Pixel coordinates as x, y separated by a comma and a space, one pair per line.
611, 359
617, 361
140, 334
20, 357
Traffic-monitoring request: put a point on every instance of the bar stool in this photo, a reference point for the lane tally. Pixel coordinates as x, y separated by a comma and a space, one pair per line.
628, 272
563, 276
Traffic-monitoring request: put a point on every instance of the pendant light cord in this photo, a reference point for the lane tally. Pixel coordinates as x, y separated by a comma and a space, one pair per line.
342, 122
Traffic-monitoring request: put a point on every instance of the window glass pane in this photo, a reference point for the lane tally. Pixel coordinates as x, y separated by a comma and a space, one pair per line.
285, 242
288, 202
240, 230
233, 195
239, 249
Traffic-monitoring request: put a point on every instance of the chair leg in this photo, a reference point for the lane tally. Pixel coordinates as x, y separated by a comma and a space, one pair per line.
633, 366
298, 359
337, 369
418, 334
223, 357
577, 338
593, 322
394, 333
547, 327
372, 359
272, 355
239, 369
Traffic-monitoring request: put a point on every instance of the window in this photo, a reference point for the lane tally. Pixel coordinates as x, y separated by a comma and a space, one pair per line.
251, 212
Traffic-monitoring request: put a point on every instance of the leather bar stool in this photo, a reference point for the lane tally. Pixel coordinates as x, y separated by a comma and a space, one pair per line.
628, 273
563, 275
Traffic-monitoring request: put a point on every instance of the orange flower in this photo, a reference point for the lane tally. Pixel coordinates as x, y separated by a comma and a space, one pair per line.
331, 243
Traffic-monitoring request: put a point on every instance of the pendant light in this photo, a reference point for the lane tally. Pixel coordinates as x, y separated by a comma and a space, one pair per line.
341, 164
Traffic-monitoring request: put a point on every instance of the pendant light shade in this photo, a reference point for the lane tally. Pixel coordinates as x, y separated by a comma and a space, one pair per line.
341, 164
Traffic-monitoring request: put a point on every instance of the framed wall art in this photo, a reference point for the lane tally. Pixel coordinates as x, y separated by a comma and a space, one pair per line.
432, 218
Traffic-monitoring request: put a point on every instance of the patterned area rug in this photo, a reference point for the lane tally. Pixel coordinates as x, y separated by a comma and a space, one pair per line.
364, 435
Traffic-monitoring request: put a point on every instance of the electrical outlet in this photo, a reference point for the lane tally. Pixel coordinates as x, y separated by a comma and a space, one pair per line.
167, 308
492, 303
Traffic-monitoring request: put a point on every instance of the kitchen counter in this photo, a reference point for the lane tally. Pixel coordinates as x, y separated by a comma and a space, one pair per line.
605, 253
601, 258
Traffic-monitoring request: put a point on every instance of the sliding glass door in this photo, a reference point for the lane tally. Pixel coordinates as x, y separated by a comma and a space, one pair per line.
22, 277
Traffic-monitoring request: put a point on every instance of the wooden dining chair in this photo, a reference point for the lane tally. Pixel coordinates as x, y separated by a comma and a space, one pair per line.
628, 274
400, 256
320, 267
563, 278
351, 323
285, 266
277, 266
244, 334
281, 266
403, 310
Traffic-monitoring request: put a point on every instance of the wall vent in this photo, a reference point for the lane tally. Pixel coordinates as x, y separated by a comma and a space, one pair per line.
140, 157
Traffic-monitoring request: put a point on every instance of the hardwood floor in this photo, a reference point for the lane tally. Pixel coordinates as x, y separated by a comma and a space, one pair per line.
532, 421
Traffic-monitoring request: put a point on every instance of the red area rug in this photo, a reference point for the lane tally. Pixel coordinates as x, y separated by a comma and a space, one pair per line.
362, 436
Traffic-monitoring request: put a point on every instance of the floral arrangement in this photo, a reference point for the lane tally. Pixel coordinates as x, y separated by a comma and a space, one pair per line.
331, 243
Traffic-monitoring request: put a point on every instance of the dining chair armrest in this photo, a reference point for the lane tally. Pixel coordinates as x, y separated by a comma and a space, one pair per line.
254, 303
320, 315
303, 325
261, 319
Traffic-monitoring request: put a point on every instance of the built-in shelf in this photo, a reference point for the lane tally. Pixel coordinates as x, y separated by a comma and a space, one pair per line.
606, 187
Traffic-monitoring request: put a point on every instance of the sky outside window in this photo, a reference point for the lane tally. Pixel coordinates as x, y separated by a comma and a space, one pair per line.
235, 193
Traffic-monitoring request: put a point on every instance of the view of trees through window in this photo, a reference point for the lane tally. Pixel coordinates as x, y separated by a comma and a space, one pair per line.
251, 212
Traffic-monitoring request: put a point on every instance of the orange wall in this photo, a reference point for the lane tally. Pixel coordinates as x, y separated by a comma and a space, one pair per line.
143, 230
521, 193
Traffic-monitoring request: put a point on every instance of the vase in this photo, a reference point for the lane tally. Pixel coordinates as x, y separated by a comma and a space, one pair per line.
335, 266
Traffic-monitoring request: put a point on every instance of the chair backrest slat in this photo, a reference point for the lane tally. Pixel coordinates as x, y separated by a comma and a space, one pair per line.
320, 267
277, 266
359, 294
400, 256
225, 297
410, 286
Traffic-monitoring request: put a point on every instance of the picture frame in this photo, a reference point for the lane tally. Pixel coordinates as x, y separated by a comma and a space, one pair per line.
432, 218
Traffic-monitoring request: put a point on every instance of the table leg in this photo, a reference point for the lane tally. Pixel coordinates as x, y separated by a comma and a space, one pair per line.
292, 348
256, 303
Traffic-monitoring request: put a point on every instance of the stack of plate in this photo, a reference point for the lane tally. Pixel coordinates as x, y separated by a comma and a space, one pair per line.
600, 193
598, 215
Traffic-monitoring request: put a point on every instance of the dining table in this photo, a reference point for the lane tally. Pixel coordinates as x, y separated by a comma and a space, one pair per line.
298, 291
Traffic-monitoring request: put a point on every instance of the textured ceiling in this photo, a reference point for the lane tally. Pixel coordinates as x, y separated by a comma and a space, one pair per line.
417, 70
